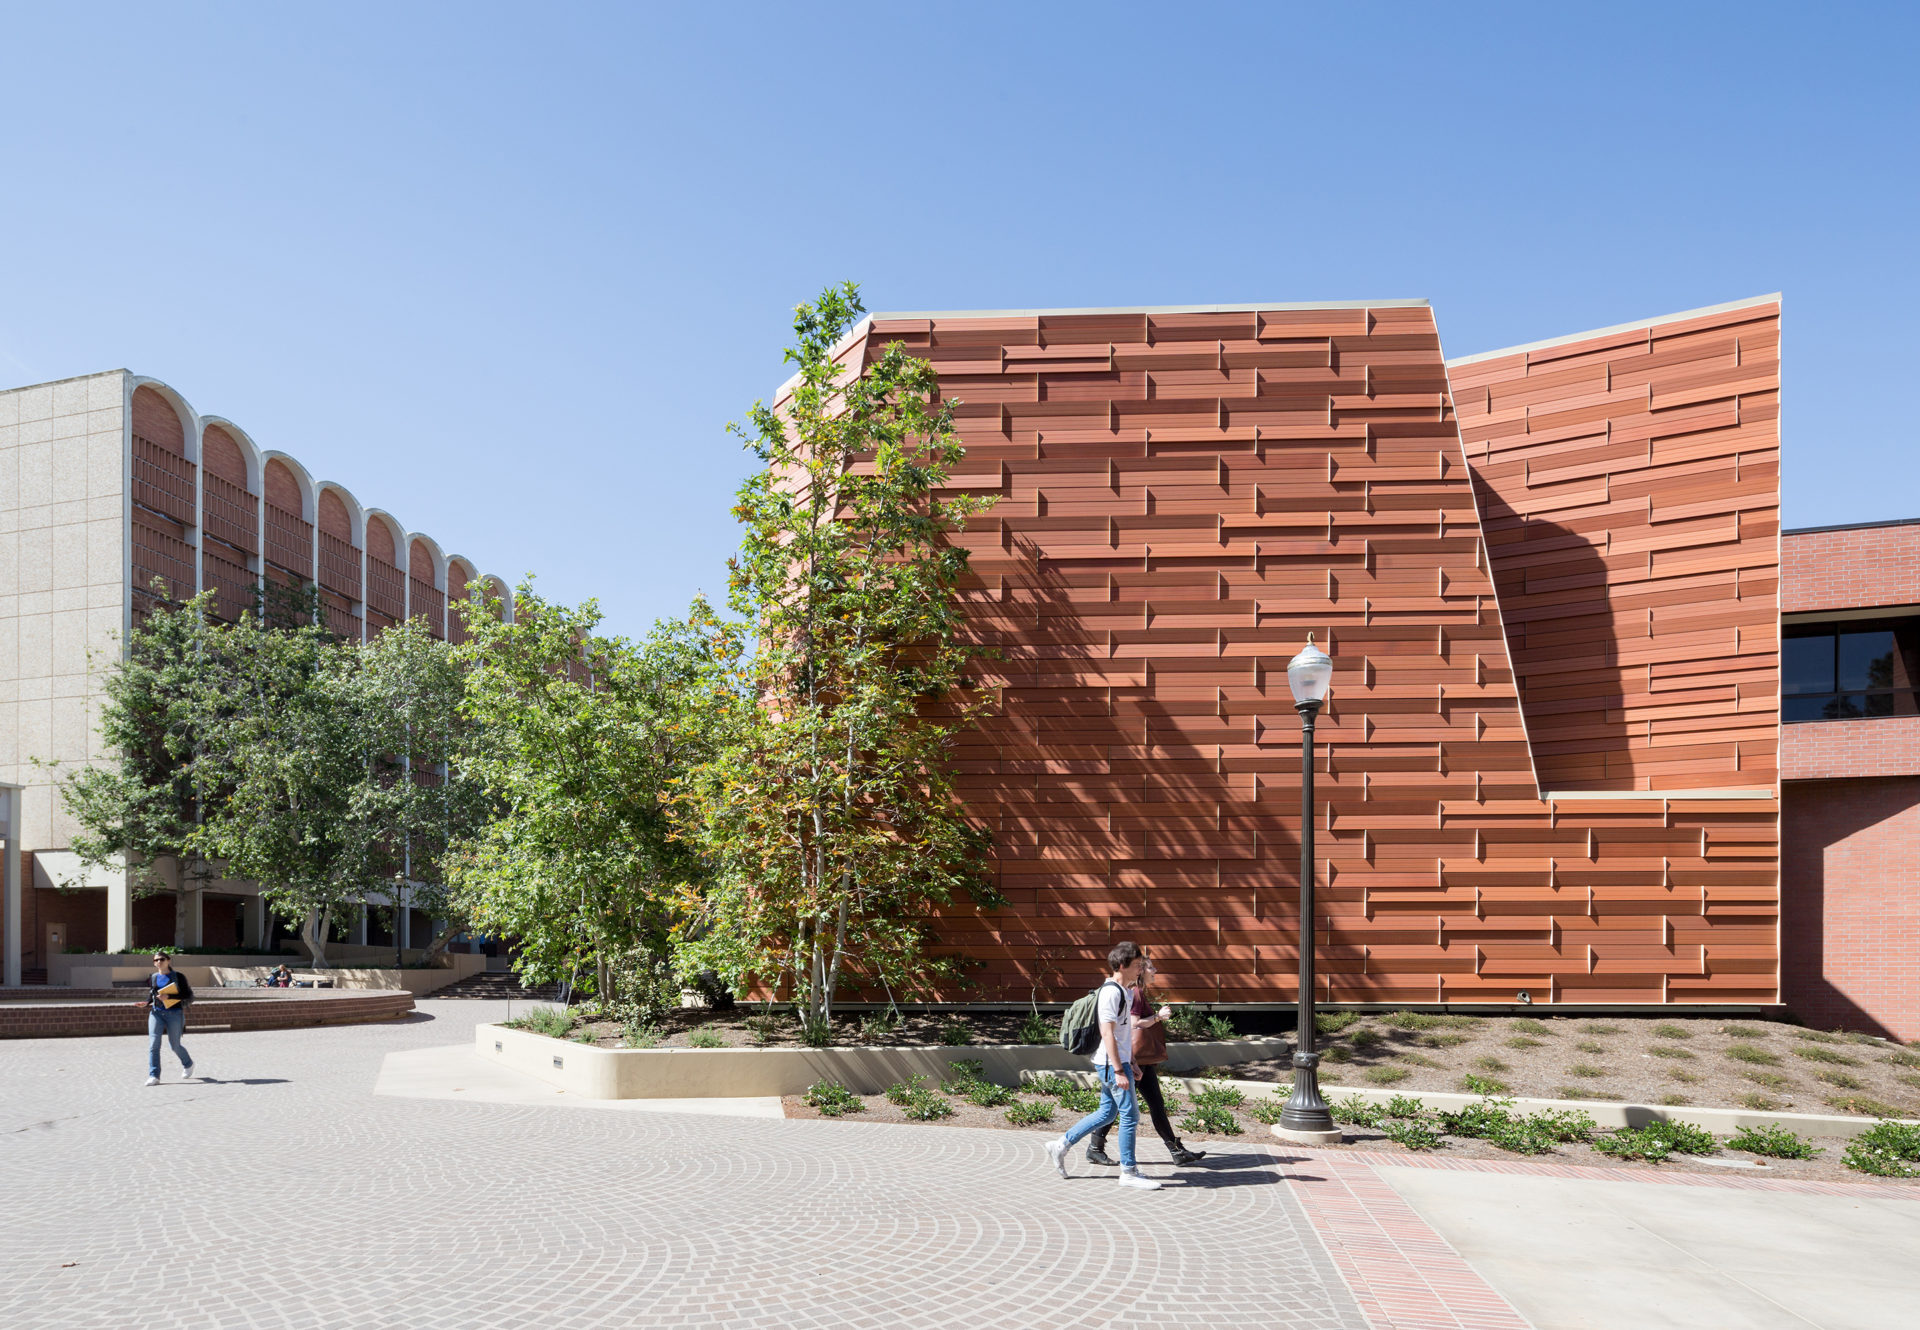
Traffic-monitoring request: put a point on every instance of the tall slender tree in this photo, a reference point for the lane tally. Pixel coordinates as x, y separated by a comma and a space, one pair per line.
828, 809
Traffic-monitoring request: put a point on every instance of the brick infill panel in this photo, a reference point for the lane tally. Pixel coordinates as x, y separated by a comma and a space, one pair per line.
79, 1013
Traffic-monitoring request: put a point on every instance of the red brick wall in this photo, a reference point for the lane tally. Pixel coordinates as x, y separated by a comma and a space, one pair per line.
1841, 749
283, 491
1850, 903
221, 456
1850, 570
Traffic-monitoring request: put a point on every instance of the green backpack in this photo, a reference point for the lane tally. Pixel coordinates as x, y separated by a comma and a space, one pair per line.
1080, 1027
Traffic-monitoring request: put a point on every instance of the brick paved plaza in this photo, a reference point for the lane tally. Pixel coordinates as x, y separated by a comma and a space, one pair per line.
287, 1193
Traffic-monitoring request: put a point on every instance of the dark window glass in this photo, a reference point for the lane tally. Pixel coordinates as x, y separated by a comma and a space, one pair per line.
1866, 660
1806, 665
1804, 708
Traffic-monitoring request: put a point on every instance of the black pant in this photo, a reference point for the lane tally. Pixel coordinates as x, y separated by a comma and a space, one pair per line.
1146, 1083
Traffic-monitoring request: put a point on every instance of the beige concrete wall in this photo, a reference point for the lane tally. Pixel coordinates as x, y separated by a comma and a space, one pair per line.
63, 578
214, 971
729, 1073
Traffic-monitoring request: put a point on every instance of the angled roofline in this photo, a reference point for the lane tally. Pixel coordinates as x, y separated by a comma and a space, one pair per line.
1635, 326
1147, 309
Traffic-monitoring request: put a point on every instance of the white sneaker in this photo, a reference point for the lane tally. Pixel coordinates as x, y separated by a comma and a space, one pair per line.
153, 1080
1130, 1177
1057, 1152
186, 1072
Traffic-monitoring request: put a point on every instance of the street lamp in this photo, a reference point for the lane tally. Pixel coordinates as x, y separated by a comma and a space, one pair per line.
1305, 1118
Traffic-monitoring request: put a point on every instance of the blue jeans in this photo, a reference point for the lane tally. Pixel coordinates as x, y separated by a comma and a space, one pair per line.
1114, 1102
171, 1024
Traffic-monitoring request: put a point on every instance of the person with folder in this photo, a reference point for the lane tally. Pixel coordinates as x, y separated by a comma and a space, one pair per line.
168, 996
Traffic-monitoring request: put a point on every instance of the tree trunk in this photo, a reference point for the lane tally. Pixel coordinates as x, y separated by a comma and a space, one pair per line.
315, 937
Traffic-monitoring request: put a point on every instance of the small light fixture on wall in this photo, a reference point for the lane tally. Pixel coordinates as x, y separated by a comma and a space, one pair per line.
1525, 997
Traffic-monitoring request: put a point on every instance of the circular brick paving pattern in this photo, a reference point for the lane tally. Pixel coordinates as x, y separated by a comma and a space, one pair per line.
286, 1194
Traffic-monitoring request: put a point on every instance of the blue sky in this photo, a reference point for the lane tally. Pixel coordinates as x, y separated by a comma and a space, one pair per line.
507, 271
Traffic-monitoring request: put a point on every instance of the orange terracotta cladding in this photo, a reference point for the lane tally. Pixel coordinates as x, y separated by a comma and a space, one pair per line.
1629, 485
1181, 497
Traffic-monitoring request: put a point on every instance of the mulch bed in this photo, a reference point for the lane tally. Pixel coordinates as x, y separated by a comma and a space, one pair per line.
1767, 1066
1825, 1167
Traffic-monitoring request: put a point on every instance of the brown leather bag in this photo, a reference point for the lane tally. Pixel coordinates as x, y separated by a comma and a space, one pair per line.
1149, 1044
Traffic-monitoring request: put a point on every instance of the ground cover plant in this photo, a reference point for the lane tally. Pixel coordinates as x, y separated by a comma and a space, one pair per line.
1886, 1150
1774, 1141
833, 1099
1657, 1141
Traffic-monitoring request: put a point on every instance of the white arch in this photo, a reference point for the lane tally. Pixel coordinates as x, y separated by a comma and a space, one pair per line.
189, 418
250, 452
301, 477
434, 553
395, 528
356, 515
499, 588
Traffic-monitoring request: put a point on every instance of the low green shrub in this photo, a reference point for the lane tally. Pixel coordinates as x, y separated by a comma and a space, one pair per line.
1484, 1085
1491, 1064
1405, 1106
988, 1095
1908, 1078
1682, 1075
1774, 1141
1412, 1134
1220, 1096
816, 1031
1337, 1053
1760, 1103
955, 1034
1079, 1099
914, 1098
1267, 1110
1840, 1080
1528, 1025
1587, 1092
1387, 1075
706, 1039
1053, 1084
1364, 1038
1737, 1031
831, 1099
1751, 1055
554, 1022
1773, 1080
1586, 1071
1220, 1027
1038, 1029
636, 1035
962, 1073
1214, 1119
1903, 1057
1413, 1059
1589, 1045
1355, 1111
1668, 1030
1443, 1040
876, 1025
1821, 1053
901, 1093
1886, 1150
1657, 1141
1674, 1100
1030, 1113
583, 1037
1816, 1037
1669, 1051
1524, 1041
1188, 1022
1598, 1027
1333, 1022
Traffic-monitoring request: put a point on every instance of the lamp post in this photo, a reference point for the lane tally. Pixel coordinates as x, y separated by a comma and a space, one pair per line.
1305, 1118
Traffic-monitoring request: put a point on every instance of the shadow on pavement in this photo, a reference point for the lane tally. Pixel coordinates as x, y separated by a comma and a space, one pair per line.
1227, 1171
241, 1080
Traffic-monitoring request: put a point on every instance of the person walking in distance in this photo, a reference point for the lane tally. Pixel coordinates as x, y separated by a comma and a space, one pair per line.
168, 995
1149, 1051
1113, 1061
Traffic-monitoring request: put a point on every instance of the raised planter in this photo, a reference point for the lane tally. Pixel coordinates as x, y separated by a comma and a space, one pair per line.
210, 972
728, 1073
1607, 1113
52, 1013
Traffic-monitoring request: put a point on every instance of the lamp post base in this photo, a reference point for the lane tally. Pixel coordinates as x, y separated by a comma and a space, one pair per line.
1333, 1137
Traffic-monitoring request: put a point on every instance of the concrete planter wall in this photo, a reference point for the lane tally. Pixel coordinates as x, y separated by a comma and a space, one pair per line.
44, 1012
725, 1073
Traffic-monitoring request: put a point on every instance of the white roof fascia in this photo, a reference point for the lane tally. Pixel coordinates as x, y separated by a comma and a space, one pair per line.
1635, 326
1150, 309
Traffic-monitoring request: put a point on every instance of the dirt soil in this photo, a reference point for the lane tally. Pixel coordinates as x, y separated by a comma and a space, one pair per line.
1768, 1066
750, 1027
1826, 1166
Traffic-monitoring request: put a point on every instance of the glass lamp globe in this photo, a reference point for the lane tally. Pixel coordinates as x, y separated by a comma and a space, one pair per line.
1309, 674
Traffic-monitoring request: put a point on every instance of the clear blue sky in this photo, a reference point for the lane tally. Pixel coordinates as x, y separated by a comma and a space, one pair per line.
508, 271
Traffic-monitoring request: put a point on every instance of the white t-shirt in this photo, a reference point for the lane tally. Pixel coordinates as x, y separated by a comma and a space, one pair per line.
1115, 1006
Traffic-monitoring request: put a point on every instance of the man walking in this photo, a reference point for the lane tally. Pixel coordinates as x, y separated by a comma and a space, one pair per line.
167, 997
1113, 1060
1149, 1051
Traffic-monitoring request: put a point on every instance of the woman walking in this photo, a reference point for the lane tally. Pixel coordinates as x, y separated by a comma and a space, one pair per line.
1149, 1051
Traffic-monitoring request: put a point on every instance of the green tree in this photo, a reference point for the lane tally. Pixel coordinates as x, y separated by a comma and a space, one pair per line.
140, 807
827, 810
576, 736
